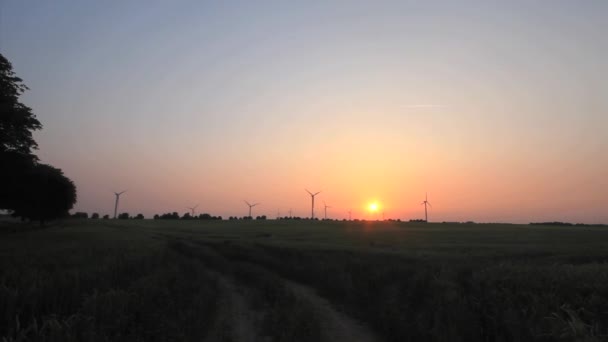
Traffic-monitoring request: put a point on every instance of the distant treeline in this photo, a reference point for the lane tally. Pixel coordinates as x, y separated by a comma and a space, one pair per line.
205, 216
232, 218
95, 216
297, 218
167, 216
187, 216
566, 224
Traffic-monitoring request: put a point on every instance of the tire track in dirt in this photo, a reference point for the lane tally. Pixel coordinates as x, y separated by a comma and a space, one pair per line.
235, 320
336, 325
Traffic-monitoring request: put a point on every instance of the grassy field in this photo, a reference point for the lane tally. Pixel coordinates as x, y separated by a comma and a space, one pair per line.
133, 280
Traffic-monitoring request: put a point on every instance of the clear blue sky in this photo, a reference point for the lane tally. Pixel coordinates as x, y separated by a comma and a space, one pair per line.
497, 108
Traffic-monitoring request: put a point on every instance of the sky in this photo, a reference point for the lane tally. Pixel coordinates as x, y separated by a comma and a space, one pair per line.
496, 109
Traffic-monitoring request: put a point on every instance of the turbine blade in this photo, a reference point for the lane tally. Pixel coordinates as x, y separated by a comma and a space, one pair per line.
309, 192
248, 203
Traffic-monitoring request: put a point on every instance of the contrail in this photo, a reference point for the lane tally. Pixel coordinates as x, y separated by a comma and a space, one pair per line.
424, 106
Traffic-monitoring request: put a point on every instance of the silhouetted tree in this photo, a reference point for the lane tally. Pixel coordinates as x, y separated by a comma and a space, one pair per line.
169, 216
187, 216
47, 194
139, 217
156, 217
14, 169
17, 122
106, 217
123, 216
80, 215
95, 216
31, 190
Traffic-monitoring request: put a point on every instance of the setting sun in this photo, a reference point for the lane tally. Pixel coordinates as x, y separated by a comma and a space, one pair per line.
373, 207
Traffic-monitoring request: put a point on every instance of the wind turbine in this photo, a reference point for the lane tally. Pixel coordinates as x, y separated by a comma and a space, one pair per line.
312, 210
350, 215
116, 202
326, 206
425, 203
192, 209
251, 206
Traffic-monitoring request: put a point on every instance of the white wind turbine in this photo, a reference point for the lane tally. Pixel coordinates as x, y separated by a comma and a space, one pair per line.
251, 206
425, 203
312, 210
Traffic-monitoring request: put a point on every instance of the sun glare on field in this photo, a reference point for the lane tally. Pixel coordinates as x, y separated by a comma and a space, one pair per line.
373, 207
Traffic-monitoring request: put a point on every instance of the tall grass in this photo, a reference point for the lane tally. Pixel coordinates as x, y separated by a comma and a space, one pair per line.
283, 316
156, 297
441, 299
147, 282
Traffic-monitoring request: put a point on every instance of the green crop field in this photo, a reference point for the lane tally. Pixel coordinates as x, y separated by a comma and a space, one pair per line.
145, 280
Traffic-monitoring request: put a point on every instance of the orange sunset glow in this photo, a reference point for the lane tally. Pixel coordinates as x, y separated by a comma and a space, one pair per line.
495, 127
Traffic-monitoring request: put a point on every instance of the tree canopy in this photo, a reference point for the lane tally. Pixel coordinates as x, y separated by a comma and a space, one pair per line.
47, 194
17, 122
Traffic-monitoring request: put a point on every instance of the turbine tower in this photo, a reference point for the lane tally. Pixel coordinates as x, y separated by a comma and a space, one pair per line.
312, 210
251, 206
192, 209
116, 202
350, 215
326, 206
425, 203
